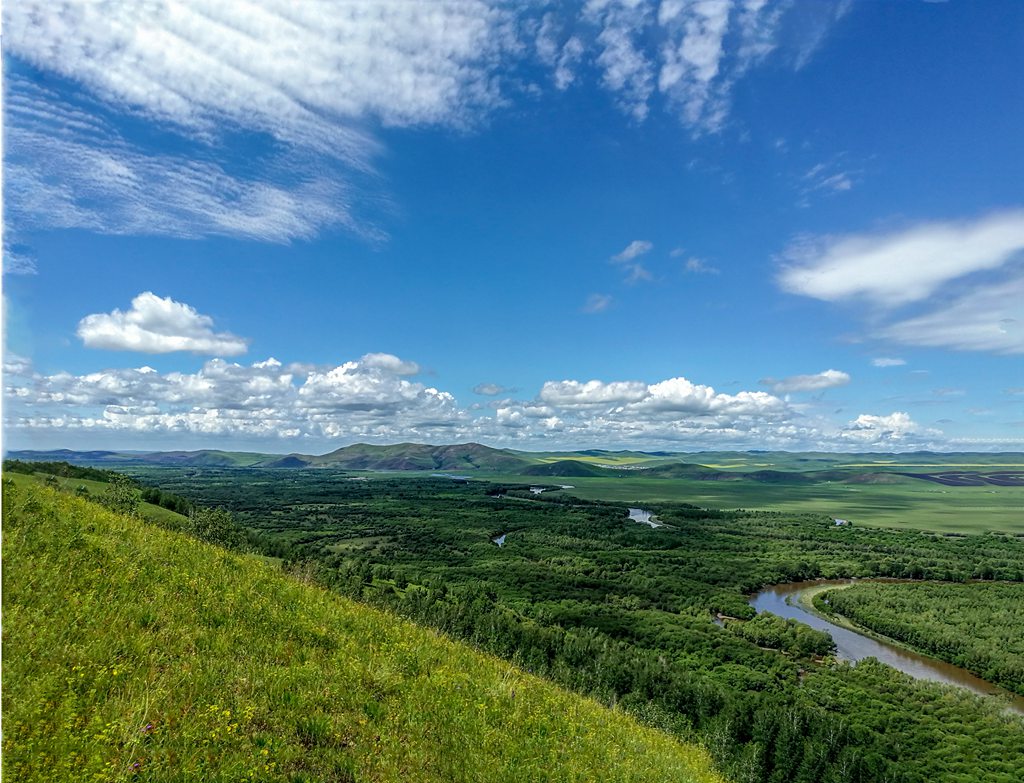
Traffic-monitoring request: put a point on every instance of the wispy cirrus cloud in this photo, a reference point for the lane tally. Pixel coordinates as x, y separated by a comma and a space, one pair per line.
597, 303
295, 85
627, 259
954, 284
301, 88
896, 268
988, 318
156, 324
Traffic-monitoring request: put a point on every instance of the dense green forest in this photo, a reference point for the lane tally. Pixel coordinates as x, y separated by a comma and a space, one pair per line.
623, 612
977, 626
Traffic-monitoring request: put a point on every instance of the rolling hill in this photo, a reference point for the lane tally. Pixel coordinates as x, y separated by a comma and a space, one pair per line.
136, 653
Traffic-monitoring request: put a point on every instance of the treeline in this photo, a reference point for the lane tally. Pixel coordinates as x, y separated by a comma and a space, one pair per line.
979, 627
61, 469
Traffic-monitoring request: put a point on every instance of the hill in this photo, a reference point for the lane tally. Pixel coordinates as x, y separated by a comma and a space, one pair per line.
417, 456
135, 653
570, 468
96, 489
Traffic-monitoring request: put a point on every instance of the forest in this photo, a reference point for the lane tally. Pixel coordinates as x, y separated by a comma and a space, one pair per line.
610, 608
976, 626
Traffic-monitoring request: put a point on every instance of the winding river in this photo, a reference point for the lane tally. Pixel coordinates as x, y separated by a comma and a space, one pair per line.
782, 600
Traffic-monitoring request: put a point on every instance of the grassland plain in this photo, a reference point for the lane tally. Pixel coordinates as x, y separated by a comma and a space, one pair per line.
904, 503
138, 654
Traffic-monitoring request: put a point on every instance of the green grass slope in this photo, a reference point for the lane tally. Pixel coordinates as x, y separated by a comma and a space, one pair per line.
136, 654
147, 511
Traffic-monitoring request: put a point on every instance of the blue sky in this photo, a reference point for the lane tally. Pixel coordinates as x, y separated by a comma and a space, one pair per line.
685, 225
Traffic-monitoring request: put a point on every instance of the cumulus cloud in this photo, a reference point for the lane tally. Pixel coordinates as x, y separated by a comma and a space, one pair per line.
390, 363
597, 303
156, 324
896, 268
827, 379
273, 405
368, 397
897, 430
883, 361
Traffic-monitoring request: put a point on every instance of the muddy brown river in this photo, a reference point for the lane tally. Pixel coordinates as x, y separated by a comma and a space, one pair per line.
852, 646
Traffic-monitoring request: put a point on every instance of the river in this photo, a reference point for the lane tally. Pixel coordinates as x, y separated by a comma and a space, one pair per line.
644, 517
852, 646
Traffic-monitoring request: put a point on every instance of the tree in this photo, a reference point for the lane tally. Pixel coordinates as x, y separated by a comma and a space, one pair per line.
122, 496
215, 525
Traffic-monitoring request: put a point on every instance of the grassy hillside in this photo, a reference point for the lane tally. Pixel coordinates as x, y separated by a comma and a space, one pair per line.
148, 511
133, 653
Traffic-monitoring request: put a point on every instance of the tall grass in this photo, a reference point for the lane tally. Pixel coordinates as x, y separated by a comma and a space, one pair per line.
132, 653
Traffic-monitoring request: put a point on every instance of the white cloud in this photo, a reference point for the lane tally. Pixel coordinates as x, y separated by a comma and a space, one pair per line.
16, 262
364, 398
309, 76
574, 393
491, 389
389, 363
827, 178
954, 285
692, 61
66, 169
633, 250
283, 68
989, 318
302, 87
828, 379
157, 325
270, 405
628, 72
597, 303
699, 266
897, 430
883, 361
896, 268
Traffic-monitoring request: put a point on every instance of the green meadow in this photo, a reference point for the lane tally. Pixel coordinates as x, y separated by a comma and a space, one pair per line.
133, 653
906, 503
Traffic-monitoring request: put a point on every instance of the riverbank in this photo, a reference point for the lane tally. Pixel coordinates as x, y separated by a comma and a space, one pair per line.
797, 601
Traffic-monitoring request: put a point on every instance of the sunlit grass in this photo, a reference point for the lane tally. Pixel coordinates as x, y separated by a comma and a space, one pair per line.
136, 654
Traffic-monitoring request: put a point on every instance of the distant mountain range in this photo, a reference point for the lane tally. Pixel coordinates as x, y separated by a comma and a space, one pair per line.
474, 458
360, 456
